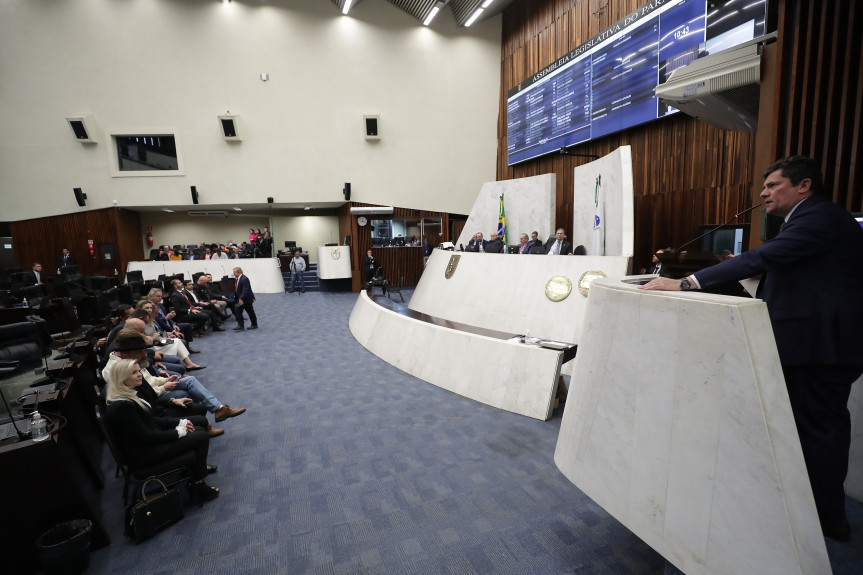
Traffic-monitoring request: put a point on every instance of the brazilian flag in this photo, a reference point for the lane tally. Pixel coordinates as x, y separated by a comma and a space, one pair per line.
501, 223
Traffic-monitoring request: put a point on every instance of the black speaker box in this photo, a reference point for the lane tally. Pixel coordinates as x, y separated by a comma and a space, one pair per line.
372, 127
80, 129
269, 200
194, 195
228, 128
347, 191
80, 196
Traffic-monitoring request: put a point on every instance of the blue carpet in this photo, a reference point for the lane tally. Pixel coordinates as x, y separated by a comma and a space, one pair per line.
345, 465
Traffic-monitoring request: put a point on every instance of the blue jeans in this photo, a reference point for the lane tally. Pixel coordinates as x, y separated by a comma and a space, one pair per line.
191, 387
294, 278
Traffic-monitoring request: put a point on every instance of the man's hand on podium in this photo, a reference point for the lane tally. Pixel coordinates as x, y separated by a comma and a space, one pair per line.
668, 284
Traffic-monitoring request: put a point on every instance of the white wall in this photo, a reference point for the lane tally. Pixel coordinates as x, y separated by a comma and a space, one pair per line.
308, 231
178, 64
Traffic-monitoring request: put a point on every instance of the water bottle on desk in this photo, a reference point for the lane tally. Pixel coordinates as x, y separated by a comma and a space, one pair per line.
38, 427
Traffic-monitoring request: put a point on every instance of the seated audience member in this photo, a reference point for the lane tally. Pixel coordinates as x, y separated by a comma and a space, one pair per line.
165, 318
558, 245
208, 254
176, 256
34, 276
203, 304
656, 260
186, 309
216, 293
144, 439
494, 245
174, 347
132, 345
476, 244
524, 244
171, 364
220, 253
204, 296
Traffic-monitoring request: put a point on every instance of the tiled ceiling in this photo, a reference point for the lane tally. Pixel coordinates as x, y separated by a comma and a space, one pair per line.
459, 10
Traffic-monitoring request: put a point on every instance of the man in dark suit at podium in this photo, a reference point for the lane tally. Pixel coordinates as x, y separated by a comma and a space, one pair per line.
812, 284
558, 245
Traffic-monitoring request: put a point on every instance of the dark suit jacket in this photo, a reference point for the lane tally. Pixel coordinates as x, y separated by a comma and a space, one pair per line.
812, 284
64, 261
565, 246
140, 436
244, 289
179, 303
30, 278
473, 247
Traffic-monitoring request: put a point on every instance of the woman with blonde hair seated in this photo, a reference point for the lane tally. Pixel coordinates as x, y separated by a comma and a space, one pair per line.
144, 439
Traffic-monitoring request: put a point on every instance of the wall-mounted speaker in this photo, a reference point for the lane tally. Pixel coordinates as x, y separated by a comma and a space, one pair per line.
372, 128
84, 128
80, 197
347, 191
230, 126
269, 200
194, 195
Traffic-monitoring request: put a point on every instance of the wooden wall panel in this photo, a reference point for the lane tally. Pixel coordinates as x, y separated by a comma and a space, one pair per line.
396, 262
688, 173
43, 239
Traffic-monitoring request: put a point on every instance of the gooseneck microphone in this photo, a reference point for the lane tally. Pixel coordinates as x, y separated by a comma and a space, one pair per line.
708, 232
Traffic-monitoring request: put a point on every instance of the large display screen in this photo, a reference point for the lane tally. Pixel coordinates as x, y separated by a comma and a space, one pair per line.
606, 84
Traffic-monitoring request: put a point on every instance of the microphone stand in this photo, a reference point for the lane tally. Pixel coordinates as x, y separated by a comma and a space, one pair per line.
707, 233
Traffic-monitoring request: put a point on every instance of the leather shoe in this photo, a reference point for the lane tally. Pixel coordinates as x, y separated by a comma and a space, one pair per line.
239, 328
253, 327
839, 530
194, 350
211, 469
196, 368
218, 328
227, 411
215, 431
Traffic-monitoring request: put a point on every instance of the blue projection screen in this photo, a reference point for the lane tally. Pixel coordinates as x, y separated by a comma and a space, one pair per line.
606, 84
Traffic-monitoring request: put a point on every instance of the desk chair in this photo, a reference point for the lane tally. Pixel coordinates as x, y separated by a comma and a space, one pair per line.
397, 289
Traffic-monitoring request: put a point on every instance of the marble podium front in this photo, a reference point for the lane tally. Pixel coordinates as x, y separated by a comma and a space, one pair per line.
334, 262
678, 424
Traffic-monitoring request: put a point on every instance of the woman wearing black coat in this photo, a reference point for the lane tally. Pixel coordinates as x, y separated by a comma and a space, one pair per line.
144, 439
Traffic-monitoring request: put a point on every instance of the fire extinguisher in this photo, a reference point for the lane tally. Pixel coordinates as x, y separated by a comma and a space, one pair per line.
150, 239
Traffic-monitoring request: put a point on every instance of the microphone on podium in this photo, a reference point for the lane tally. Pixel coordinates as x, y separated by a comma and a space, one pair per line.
707, 233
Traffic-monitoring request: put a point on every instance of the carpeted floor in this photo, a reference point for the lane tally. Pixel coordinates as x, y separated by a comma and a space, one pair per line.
345, 465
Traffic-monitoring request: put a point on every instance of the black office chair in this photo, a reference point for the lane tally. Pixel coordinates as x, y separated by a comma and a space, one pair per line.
397, 289
134, 276
172, 472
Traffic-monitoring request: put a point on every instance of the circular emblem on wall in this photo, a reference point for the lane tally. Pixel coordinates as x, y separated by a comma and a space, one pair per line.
587, 278
558, 288
336, 253
451, 265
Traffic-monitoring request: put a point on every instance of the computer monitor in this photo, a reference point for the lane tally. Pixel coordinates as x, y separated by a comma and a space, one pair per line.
290, 245
512, 249
859, 217
399, 242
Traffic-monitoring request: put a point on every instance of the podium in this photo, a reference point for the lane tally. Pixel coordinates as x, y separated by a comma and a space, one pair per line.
678, 424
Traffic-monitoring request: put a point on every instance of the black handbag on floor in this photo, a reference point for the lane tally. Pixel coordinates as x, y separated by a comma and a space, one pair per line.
153, 512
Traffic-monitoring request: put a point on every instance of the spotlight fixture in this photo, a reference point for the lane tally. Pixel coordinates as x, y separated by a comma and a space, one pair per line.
347, 7
168, 210
435, 9
307, 208
238, 209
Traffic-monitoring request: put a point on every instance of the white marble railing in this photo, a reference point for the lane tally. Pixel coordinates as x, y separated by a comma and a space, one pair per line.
510, 376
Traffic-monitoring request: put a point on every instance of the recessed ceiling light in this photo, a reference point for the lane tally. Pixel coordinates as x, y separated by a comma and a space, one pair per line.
167, 210
238, 209
307, 208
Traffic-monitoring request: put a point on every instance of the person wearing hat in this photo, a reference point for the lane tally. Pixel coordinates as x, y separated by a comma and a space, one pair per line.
131, 345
